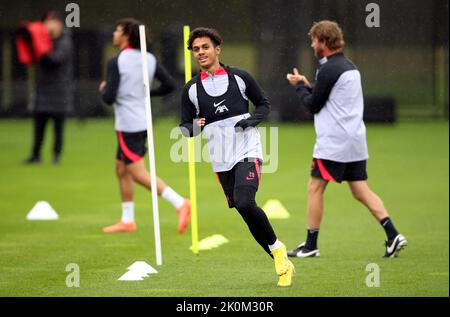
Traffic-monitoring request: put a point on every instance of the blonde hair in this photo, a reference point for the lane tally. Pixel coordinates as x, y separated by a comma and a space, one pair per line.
328, 32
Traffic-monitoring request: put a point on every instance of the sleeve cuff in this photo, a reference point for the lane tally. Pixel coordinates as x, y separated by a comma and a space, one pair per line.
300, 85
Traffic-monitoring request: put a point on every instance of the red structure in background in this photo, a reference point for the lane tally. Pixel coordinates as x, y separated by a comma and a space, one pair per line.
33, 41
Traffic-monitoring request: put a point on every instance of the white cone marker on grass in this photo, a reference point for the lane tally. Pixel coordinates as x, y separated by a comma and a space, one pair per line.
138, 271
42, 211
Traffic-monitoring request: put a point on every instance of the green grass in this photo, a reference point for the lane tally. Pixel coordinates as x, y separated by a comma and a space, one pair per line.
408, 169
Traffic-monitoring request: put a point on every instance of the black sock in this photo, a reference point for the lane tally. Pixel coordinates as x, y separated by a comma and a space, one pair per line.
388, 226
311, 239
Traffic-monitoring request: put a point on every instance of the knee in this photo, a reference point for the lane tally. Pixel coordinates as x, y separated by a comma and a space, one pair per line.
121, 171
359, 196
242, 203
134, 175
314, 189
137, 175
243, 200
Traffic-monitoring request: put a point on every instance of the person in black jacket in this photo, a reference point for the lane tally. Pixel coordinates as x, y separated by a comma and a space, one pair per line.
216, 101
54, 95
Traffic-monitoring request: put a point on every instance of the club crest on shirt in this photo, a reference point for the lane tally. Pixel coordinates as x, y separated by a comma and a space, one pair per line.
220, 108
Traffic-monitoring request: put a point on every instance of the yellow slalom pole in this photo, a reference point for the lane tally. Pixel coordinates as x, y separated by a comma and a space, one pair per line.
191, 150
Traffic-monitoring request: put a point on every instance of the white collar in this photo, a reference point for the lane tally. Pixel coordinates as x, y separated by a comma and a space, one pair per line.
323, 60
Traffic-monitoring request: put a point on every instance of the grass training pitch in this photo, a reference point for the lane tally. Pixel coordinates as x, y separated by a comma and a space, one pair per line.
408, 168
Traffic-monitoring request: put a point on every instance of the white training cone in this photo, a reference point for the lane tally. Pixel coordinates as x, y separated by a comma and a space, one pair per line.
137, 271
42, 211
141, 266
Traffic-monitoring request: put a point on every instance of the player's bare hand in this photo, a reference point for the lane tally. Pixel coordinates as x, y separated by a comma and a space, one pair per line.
201, 122
296, 77
102, 86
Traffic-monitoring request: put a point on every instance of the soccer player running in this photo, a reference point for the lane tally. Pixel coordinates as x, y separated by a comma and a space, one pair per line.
216, 101
124, 88
340, 152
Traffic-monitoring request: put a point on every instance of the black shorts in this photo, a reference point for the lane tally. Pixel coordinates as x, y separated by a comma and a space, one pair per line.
246, 173
132, 146
338, 172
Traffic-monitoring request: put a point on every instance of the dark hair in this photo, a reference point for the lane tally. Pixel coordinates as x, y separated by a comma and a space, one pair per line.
328, 32
130, 27
204, 32
52, 15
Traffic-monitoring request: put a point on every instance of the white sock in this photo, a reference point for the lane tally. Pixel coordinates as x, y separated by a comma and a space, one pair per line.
276, 245
172, 197
127, 212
